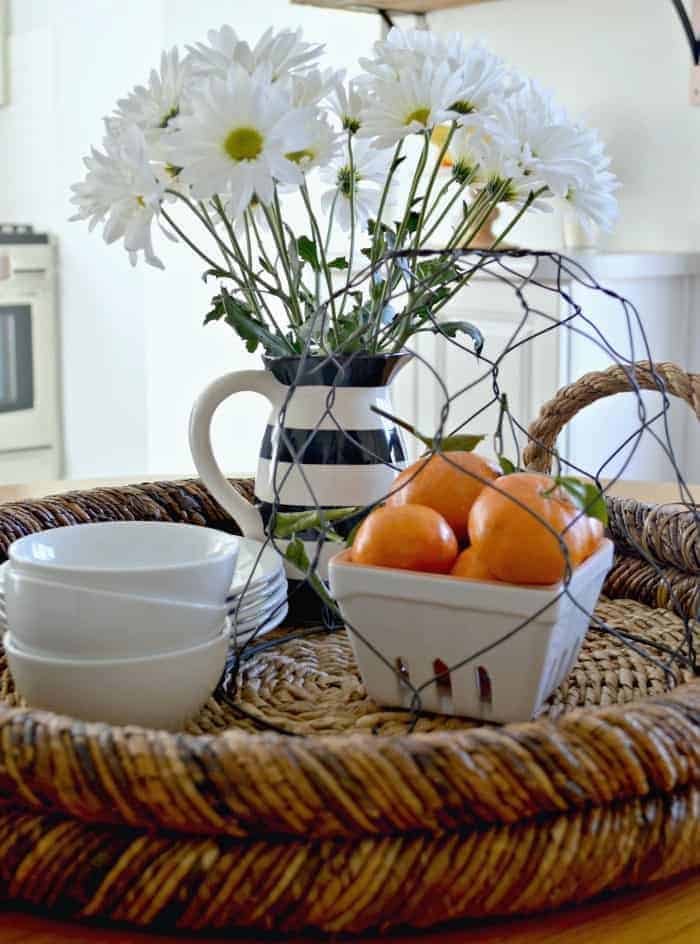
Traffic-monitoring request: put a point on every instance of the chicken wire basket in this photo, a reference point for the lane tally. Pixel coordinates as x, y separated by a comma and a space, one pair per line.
294, 800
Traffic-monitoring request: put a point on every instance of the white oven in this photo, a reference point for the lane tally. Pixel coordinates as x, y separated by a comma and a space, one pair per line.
30, 429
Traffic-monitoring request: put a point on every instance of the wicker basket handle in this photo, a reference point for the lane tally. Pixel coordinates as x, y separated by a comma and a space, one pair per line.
555, 414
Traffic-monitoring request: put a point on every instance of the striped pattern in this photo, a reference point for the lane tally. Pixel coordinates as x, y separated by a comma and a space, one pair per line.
333, 408
330, 486
334, 447
336, 468
334, 450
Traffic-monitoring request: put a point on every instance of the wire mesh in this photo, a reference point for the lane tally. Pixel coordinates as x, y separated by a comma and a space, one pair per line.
518, 270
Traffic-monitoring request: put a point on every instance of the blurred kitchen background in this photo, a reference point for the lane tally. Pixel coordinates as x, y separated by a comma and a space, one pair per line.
130, 353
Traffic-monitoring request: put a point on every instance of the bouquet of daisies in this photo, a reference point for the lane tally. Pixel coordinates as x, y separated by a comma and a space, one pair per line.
416, 151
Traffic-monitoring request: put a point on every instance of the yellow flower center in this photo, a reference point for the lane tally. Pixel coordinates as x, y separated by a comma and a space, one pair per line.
463, 108
141, 202
298, 156
243, 144
421, 115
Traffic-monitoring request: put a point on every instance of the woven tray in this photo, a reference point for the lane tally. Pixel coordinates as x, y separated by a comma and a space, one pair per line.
338, 818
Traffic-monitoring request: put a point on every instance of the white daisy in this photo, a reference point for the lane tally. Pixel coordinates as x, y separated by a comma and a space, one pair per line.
234, 139
595, 203
282, 53
122, 190
309, 88
152, 107
483, 76
370, 167
404, 48
553, 151
320, 146
254, 213
415, 101
489, 163
481, 73
347, 103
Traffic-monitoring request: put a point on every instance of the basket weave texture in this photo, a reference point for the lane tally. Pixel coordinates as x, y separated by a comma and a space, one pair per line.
350, 819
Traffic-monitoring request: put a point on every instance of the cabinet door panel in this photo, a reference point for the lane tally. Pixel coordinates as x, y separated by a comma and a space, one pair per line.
521, 359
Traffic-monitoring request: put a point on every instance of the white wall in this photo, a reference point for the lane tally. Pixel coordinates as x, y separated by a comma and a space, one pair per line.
134, 351
624, 66
67, 60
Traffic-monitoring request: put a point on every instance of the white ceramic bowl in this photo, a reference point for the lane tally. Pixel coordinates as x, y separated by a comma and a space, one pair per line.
422, 623
154, 692
162, 559
64, 621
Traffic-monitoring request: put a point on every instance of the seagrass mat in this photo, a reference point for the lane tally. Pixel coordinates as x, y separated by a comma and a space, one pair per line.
311, 685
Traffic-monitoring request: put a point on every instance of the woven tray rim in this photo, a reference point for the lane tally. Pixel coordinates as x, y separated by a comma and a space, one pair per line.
648, 748
430, 781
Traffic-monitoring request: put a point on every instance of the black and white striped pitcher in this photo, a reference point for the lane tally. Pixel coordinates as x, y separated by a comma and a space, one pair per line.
346, 455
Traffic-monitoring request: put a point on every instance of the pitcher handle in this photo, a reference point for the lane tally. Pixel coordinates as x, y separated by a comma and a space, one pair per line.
243, 512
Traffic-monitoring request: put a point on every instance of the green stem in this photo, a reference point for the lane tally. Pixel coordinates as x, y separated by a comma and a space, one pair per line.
378, 306
526, 206
460, 190
329, 230
321, 248
353, 225
202, 255
377, 238
252, 283
478, 211
250, 216
278, 235
431, 184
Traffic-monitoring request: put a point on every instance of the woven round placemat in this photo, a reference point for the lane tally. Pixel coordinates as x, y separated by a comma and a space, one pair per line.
309, 683
294, 802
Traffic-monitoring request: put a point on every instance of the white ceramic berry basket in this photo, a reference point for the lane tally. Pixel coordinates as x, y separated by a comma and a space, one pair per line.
423, 623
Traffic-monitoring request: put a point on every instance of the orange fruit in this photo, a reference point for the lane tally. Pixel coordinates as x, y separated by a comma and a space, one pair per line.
596, 534
517, 547
469, 564
410, 537
448, 483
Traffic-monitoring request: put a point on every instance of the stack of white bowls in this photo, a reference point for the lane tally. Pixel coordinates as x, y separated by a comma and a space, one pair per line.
121, 622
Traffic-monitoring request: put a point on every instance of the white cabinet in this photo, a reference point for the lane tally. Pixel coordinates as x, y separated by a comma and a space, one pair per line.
538, 351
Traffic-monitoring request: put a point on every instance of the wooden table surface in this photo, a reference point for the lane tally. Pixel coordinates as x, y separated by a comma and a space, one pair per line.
656, 492
667, 913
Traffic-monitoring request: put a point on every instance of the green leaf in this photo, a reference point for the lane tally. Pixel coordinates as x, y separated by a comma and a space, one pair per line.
460, 443
296, 554
412, 222
507, 466
585, 495
397, 162
214, 273
241, 318
452, 328
289, 523
465, 443
340, 263
307, 251
216, 314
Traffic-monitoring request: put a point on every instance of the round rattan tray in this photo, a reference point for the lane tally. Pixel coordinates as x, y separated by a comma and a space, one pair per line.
293, 802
